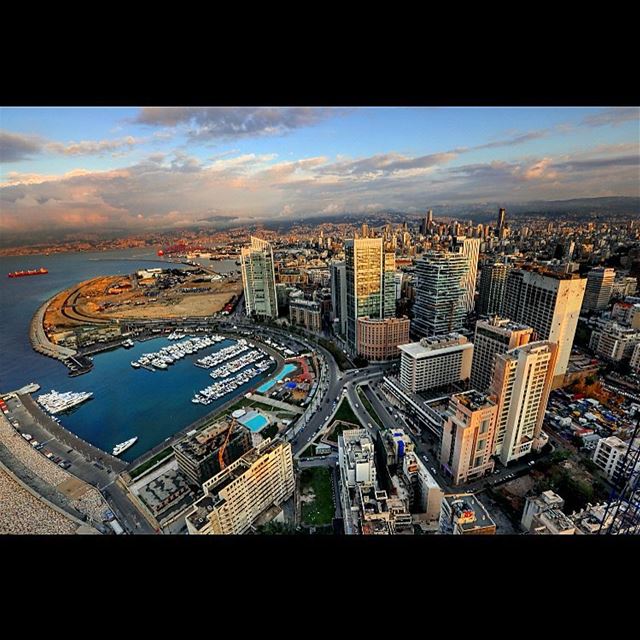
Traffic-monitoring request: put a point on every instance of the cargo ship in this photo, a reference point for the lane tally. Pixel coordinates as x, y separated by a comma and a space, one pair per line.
31, 272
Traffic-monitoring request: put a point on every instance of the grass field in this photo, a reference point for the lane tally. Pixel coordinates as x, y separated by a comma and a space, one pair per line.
369, 407
320, 510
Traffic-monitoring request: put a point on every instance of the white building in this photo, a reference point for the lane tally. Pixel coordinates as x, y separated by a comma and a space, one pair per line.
598, 289
469, 247
610, 457
492, 337
614, 342
236, 496
435, 362
537, 504
635, 359
521, 383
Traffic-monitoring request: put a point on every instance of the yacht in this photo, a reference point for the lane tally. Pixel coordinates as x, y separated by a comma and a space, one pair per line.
123, 446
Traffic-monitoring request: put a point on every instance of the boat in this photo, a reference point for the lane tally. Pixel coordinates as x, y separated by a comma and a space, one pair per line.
127, 344
123, 446
29, 272
135, 364
55, 402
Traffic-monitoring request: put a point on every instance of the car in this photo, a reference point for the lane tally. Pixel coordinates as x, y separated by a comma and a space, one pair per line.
39, 447
34, 443
27, 436
532, 463
49, 455
357, 406
433, 470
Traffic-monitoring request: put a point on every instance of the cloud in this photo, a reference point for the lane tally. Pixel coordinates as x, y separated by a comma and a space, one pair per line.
613, 116
15, 146
92, 147
209, 123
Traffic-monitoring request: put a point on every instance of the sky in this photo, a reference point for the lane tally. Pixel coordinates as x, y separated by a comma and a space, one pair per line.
169, 167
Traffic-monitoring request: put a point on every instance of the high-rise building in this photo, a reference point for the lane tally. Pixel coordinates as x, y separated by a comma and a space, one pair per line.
502, 214
598, 289
339, 296
469, 247
426, 224
389, 286
370, 275
235, 497
494, 336
365, 230
467, 437
521, 384
616, 458
493, 279
259, 279
439, 307
550, 303
614, 342
379, 339
435, 362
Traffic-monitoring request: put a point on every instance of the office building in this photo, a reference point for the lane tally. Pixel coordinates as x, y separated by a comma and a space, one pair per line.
259, 279
366, 283
238, 495
613, 457
470, 248
379, 339
467, 438
550, 304
537, 504
440, 293
613, 342
197, 454
389, 286
598, 290
464, 514
521, 384
339, 296
494, 336
493, 279
624, 286
426, 223
306, 313
552, 522
502, 215
435, 362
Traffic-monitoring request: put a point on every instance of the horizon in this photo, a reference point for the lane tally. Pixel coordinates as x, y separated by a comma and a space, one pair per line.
168, 168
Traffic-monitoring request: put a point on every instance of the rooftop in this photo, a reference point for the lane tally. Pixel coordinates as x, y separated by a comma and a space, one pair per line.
432, 344
473, 400
468, 512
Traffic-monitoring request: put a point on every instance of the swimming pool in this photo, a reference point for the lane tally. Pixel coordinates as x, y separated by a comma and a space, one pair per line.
288, 368
255, 422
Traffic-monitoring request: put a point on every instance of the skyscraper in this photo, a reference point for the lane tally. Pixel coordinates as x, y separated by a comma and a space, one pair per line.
521, 384
469, 247
493, 278
389, 286
502, 214
339, 295
364, 267
439, 306
550, 303
259, 279
426, 223
599, 288
493, 337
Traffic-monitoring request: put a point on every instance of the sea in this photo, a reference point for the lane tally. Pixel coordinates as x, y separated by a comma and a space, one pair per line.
126, 402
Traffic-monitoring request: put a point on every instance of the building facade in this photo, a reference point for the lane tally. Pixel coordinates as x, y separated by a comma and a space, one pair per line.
598, 289
521, 384
613, 342
259, 279
467, 438
235, 497
493, 280
370, 275
307, 313
612, 456
492, 337
435, 362
470, 248
339, 296
379, 339
550, 303
439, 307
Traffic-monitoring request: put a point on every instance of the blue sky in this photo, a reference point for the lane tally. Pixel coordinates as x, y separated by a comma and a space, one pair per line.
70, 167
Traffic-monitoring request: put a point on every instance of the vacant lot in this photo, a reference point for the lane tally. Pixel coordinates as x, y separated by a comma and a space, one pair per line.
316, 496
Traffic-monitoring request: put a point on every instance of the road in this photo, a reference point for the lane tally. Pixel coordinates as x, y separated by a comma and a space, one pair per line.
86, 469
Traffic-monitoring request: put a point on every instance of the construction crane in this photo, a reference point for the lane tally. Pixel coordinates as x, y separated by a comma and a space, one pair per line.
221, 462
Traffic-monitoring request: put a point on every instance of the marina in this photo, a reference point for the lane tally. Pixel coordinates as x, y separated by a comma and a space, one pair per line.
55, 402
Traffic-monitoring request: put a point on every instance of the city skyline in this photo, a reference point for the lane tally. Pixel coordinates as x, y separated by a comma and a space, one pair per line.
166, 168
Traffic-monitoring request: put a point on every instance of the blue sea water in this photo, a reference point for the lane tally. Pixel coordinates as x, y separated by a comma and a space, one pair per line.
127, 401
